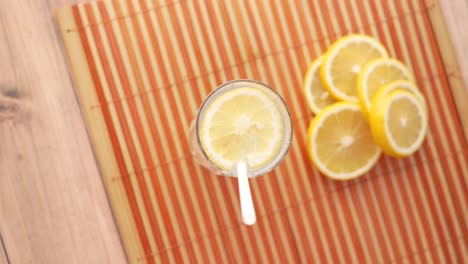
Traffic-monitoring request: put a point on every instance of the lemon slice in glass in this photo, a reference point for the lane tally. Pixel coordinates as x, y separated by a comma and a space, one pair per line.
343, 62
340, 142
242, 124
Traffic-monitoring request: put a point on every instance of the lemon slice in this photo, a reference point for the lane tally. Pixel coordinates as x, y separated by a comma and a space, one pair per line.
376, 74
399, 123
241, 124
316, 95
340, 142
343, 62
399, 85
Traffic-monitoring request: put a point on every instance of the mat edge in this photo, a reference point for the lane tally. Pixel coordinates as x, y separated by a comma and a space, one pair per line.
84, 86
449, 58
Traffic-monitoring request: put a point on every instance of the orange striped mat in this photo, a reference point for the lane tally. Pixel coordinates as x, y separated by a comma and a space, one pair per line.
143, 67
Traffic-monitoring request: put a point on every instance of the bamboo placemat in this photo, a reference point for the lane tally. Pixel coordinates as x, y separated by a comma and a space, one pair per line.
141, 70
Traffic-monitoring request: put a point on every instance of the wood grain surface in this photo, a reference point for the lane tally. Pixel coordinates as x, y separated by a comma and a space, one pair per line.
53, 206
456, 18
3, 253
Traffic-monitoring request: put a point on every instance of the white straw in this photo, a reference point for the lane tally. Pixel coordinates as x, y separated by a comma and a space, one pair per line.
246, 202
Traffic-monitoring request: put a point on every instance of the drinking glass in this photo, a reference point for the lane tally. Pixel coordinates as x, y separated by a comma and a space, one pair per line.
195, 138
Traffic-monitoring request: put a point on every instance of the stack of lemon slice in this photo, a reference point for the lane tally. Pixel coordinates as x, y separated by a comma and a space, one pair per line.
365, 103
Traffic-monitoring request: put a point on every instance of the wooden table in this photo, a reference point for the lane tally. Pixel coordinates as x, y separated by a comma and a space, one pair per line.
53, 207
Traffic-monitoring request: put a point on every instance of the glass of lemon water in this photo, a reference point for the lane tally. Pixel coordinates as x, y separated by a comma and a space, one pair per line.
242, 129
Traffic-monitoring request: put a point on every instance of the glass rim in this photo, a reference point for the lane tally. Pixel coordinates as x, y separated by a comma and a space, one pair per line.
283, 102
